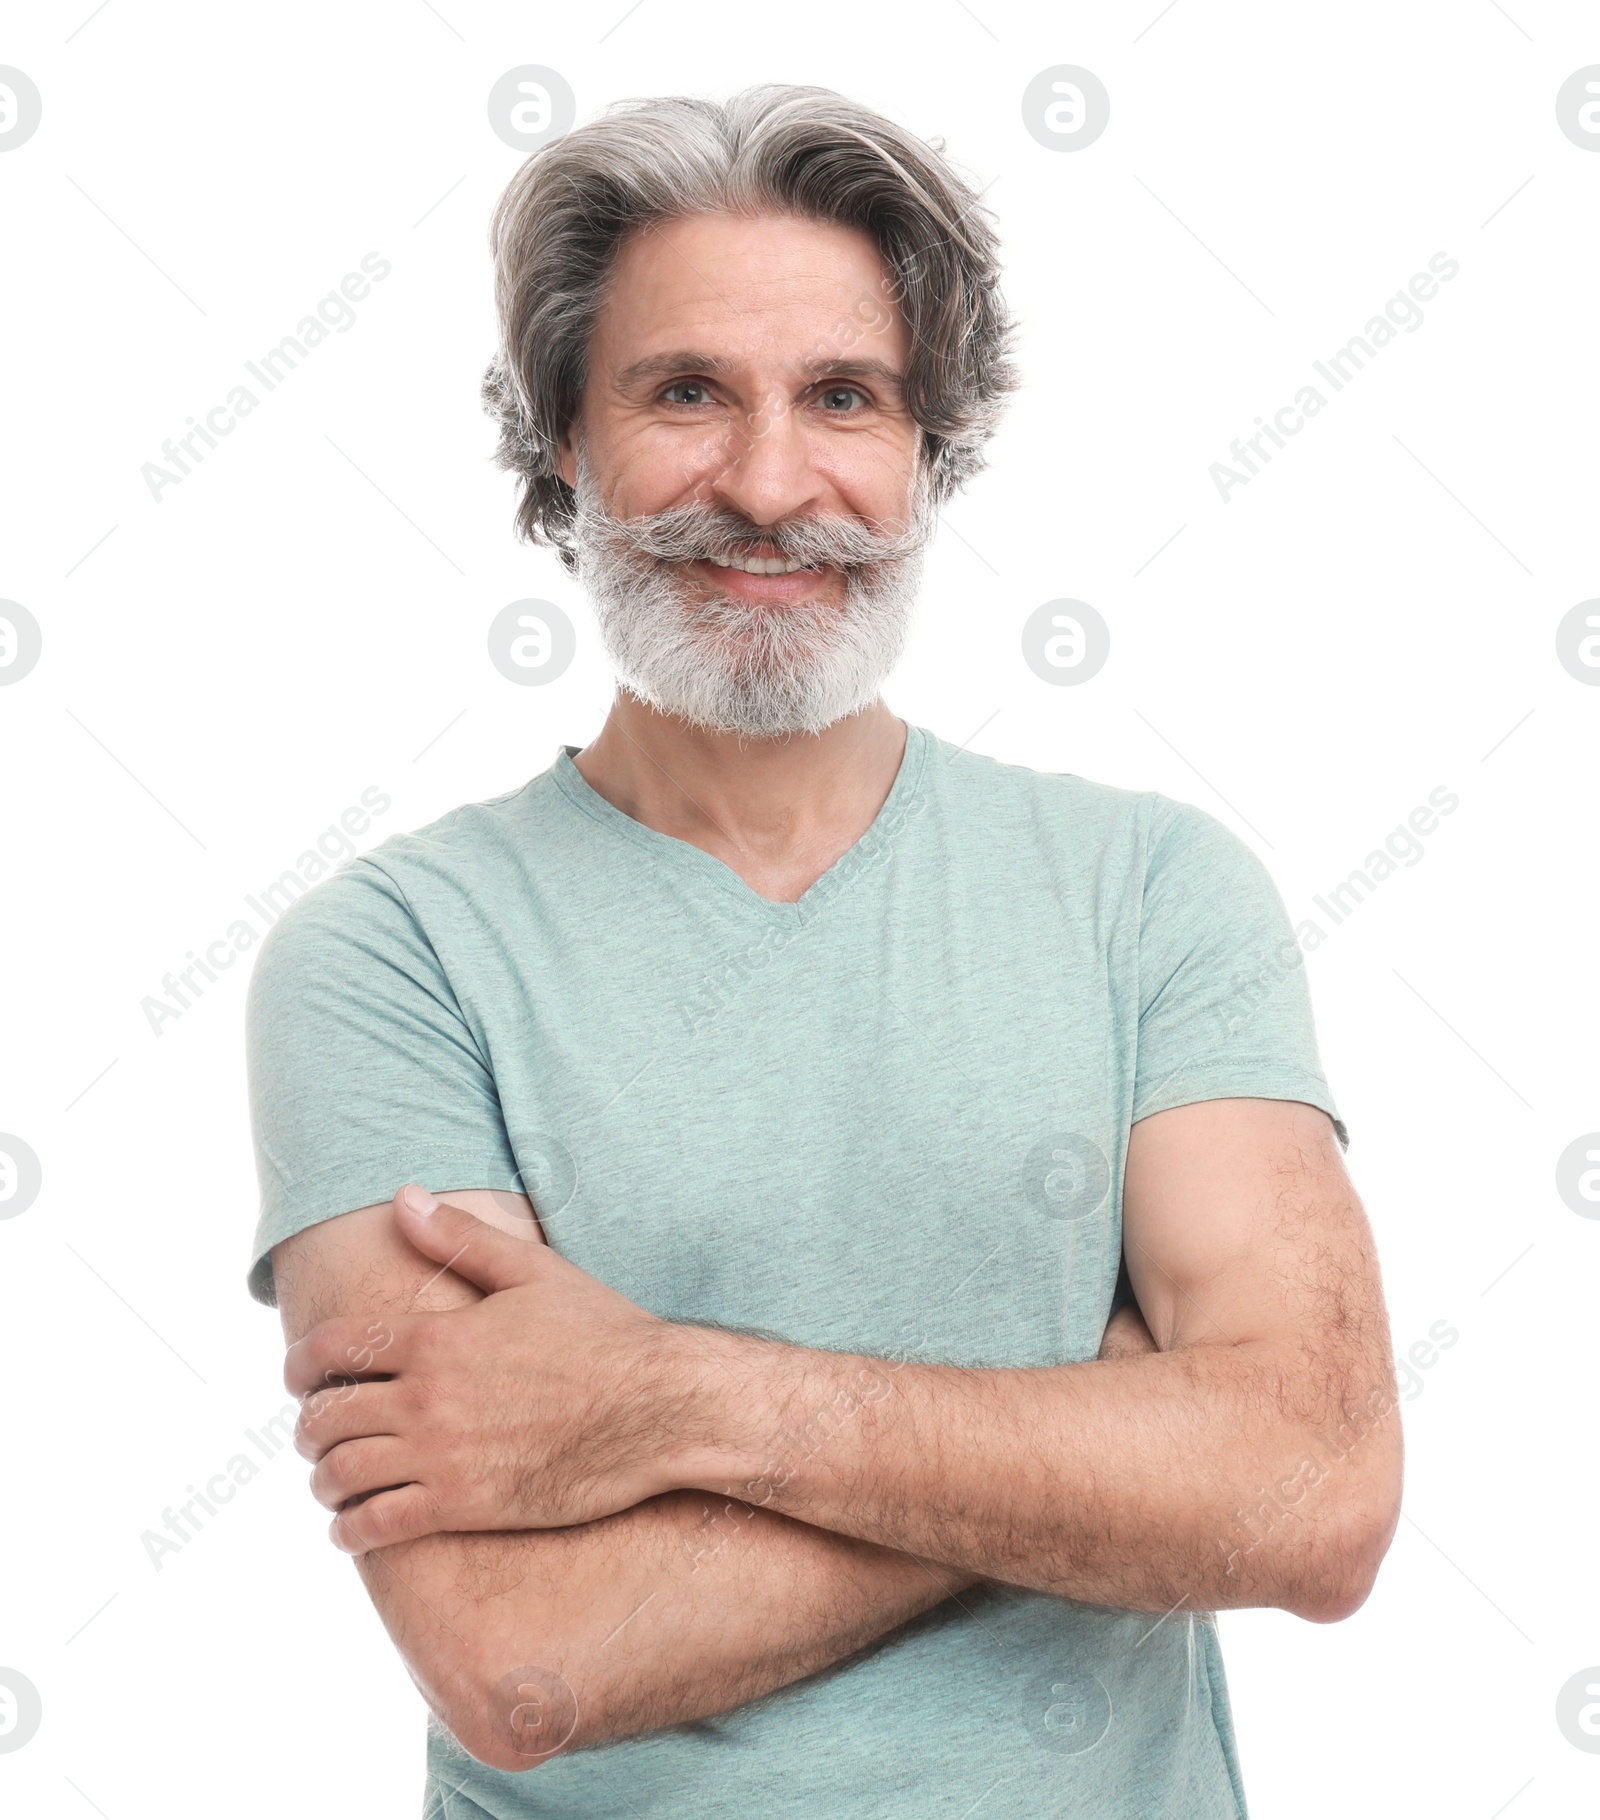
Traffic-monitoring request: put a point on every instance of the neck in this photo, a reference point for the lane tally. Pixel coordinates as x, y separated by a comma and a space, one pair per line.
779, 812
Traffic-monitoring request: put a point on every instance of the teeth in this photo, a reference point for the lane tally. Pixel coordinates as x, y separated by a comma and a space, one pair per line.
762, 565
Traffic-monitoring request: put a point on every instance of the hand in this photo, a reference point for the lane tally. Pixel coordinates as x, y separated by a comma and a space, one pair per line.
545, 1404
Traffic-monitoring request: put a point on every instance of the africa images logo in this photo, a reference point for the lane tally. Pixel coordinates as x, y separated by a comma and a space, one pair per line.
1403, 312
334, 314
334, 846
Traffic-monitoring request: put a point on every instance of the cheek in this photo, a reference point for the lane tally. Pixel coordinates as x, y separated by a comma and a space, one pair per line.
656, 467
872, 471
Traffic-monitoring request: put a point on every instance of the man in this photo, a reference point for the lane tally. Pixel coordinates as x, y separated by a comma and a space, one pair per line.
750, 1429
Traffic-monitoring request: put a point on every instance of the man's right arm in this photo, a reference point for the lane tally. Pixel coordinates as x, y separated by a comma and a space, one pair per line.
684, 1606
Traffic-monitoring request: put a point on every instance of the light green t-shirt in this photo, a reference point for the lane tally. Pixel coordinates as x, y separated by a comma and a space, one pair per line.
891, 1118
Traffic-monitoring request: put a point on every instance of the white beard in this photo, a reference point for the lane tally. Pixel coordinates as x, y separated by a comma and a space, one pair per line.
763, 670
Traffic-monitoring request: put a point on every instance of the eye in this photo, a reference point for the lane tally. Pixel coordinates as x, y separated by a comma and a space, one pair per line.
687, 385
830, 394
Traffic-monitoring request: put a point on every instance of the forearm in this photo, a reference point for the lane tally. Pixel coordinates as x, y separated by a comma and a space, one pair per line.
679, 1608
1213, 1474
667, 1611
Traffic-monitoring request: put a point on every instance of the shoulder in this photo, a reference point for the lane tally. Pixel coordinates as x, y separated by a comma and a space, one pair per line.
1055, 804
1155, 845
1192, 851
383, 901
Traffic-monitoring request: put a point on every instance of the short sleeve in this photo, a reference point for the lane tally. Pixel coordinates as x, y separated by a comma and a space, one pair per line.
363, 1072
1224, 1009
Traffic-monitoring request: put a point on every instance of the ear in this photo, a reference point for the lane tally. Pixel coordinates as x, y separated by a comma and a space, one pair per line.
481, 1253
567, 456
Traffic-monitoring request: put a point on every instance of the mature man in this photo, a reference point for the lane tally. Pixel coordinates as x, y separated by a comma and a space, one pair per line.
751, 1431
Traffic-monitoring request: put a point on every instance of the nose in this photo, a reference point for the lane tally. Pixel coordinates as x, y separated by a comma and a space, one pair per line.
765, 469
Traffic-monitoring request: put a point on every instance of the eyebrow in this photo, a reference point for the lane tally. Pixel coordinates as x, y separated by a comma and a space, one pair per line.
685, 361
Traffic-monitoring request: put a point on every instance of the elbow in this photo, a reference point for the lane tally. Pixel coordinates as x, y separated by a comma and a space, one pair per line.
478, 1745
1334, 1598
517, 1721
1341, 1572
485, 1748
479, 1740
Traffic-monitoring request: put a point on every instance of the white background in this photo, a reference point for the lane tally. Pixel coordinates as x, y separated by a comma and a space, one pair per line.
304, 616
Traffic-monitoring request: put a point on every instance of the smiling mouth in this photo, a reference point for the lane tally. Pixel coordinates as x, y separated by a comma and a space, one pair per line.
766, 565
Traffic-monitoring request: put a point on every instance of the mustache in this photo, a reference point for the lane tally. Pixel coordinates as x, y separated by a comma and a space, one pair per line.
698, 533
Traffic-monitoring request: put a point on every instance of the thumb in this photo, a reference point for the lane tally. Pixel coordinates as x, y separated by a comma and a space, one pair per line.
471, 1247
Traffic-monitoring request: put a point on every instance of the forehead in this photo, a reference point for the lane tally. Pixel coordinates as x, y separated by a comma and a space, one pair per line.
769, 290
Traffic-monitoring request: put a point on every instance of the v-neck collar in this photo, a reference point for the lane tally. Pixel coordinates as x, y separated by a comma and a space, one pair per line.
687, 857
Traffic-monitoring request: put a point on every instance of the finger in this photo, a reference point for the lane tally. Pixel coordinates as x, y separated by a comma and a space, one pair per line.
329, 1417
403, 1515
356, 1469
350, 1346
471, 1247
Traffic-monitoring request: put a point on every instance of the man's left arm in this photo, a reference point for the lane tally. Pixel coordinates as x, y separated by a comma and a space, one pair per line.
1254, 1459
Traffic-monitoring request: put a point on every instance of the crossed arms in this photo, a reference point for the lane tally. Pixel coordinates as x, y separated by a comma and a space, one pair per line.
533, 1472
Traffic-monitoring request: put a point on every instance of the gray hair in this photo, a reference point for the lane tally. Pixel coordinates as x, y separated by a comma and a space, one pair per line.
772, 149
